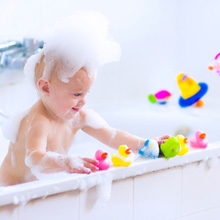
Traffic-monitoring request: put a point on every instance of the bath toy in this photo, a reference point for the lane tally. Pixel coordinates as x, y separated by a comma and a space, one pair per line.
199, 141
101, 156
160, 97
171, 147
183, 144
124, 158
216, 64
192, 92
150, 149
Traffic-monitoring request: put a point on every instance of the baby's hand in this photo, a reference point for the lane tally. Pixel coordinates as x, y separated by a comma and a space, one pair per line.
161, 140
80, 165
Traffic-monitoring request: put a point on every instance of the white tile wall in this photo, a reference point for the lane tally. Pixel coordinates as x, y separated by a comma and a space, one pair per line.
57, 207
120, 205
158, 195
200, 187
9, 212
212, 214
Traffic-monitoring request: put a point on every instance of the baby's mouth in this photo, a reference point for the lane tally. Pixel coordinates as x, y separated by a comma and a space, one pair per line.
75, 109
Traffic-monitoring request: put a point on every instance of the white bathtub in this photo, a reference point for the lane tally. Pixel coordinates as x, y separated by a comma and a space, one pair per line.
184, 187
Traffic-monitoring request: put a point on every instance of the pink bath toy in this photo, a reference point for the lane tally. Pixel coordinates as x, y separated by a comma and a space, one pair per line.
199, 141
101, 156
160, 97
216, 64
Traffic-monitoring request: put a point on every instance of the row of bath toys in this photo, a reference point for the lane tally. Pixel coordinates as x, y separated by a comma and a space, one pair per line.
160, 97
191, 91
216, 64
178, 145
170, 148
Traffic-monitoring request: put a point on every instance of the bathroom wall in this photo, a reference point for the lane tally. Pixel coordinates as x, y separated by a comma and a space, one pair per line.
158, 40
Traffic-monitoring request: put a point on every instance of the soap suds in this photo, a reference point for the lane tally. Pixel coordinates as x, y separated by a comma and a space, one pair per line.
94, 120
42, 169
11, 126
81, 40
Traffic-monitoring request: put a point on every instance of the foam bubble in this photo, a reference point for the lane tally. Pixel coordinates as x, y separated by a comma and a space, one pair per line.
29, 68
11, 126
81, 40
94, 120
45, 170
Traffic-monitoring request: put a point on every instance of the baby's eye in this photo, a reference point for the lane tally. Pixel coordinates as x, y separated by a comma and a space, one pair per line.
77, 94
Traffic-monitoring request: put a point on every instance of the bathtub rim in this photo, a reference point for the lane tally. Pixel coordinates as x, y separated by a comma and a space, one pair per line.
25, 192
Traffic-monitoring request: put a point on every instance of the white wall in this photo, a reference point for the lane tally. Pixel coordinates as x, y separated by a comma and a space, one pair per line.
158, 39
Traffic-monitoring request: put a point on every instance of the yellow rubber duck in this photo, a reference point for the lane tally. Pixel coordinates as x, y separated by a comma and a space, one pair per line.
183, 141
124, 158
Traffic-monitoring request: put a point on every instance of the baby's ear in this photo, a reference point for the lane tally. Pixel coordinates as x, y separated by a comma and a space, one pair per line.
43, 85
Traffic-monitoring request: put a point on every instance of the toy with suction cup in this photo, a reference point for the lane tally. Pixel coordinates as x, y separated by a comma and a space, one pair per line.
191, 91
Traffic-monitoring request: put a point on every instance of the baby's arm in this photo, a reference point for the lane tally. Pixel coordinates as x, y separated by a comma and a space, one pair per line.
111, 136
38, 159
114, 137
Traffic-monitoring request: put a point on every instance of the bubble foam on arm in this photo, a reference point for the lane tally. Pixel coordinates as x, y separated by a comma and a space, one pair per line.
41, 161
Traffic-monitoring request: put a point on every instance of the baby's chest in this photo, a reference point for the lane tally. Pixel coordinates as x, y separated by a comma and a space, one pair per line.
60, 140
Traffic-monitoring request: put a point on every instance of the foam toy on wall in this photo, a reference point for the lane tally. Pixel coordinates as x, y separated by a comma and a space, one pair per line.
199, 141
191, 91
216, 64
124, 158
183, 144
161, 97
102, 157
171, 147
150, 149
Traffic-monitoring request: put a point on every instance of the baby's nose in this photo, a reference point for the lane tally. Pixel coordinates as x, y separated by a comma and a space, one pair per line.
83, 101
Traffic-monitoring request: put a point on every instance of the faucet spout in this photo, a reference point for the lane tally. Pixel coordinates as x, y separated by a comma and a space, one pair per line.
13, 54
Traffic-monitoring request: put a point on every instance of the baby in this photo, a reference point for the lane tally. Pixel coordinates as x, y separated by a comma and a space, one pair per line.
47, 130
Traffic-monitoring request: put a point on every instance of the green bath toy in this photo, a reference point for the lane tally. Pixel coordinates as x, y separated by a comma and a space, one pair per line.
171, 147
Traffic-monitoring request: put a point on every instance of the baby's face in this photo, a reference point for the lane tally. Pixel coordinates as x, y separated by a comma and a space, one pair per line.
66, 99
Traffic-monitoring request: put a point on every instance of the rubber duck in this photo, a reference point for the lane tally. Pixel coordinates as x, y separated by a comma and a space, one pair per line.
150, 149
183, 141
171, 147
199, 141
102, 157
191, 91
161, 97
124, 158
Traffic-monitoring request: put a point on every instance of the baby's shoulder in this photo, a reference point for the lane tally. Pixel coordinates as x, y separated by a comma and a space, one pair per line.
35, 120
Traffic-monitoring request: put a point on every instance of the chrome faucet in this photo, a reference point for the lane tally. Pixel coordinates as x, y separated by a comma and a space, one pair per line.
13, 54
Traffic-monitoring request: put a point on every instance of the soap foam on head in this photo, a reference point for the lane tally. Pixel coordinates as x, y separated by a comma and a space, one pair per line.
81, 40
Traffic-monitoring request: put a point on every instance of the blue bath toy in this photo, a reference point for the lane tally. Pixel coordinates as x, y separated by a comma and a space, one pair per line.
150, 149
